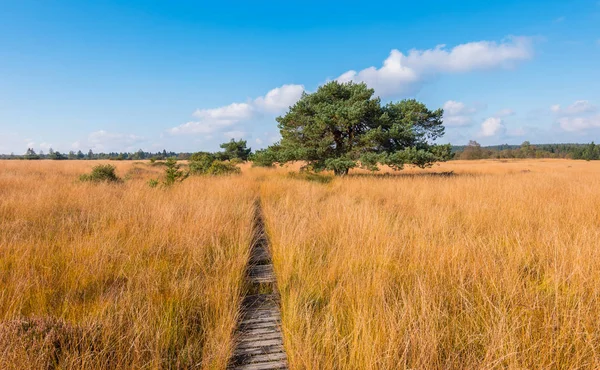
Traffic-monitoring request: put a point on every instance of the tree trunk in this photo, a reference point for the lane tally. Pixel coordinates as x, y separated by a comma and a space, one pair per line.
341, 172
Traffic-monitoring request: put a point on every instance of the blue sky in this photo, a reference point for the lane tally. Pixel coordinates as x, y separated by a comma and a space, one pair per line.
188, 75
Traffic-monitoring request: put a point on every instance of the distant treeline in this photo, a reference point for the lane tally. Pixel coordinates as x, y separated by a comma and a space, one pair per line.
90, 155
471, 151
526, 150
231, 150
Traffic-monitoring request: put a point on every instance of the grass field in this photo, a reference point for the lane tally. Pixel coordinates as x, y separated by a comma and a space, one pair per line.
493, 264
119, 276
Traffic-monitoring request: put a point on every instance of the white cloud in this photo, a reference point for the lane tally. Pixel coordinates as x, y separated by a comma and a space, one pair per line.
279, 99
579, 107
492, 126
235, 134
505, 112
214, 120
579, 123
578, 116
106, 141
393, 77
457, 114
231, 112
401, 74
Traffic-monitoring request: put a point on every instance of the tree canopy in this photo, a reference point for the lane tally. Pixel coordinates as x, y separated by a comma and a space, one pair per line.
342, 125
235, 149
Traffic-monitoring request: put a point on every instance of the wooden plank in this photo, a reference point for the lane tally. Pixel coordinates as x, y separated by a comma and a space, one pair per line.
257, 331
263, 365
262, 314
260, 255
248, 359
263, 279
267, 326
257, 270
254, 351
260, 337
260, 320
259, 343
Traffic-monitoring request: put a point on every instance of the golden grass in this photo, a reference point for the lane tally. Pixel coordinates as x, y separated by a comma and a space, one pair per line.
496, 267
101, 276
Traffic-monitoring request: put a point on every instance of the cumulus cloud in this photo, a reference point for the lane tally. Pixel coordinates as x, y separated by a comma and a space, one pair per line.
105, 141
402, 74
579, 116
214, 120
579, 107
493, 126
458, 114
235, 134
579, 123
279, 99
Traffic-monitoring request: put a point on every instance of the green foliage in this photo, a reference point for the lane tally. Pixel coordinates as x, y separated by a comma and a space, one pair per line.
340, 166
101, 173
173, 173
31, 154
264, 158
56, 156
200, 163
234, 149
153, 183
203, 163
219, 168
342, 124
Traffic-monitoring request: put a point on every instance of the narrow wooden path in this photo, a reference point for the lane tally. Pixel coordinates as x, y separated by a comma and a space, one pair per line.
259, 343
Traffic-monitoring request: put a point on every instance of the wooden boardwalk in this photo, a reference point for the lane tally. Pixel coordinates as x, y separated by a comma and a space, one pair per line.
259, 343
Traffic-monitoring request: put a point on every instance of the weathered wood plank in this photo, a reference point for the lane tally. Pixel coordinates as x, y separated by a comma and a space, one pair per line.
264, 365
259, 343
248, 359
256, 331
260, 337
254, 351
259, 320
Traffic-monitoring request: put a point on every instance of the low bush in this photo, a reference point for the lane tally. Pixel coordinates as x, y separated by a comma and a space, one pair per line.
208, 164
101, 173
218, 168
